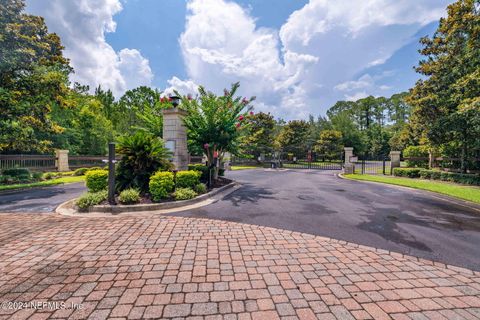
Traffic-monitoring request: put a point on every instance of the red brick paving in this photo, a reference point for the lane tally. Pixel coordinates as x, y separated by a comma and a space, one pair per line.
141, 267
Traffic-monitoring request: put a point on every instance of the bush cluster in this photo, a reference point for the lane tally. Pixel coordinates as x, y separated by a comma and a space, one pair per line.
129, 196
200, 188
203, 169
416, 152
80, 171
90, 199
96, 180
187, 179
14, 175
161, 185
470, 179
184, 194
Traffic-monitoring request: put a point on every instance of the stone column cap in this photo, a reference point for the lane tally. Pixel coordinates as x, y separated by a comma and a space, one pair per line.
348, 148
395, 152
174, 111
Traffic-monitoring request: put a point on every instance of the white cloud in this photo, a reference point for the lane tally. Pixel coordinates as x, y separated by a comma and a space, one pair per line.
356, 96
322, 16
363, 82
312, 61
221, 45
183, 87
81, 25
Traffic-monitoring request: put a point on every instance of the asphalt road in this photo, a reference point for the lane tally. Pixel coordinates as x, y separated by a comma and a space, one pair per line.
318, 202
39, 199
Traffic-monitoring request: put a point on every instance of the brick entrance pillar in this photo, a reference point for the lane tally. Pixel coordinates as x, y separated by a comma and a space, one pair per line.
348, 167
395, 159
61, 161
175, 137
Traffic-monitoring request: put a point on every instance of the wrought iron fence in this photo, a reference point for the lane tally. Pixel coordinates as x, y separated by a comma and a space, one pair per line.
367, 164
29, 161
75, 162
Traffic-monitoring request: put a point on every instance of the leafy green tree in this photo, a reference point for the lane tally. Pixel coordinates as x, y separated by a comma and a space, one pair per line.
214, 123
446, 105
33, 78
142, 155
259, 137
330, 144
137, 109
293, 137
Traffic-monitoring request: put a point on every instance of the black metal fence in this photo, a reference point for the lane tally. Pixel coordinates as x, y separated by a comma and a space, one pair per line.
29, 161
367, 164
75, 162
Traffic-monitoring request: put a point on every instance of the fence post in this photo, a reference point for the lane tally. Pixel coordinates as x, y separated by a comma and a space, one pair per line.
383, 165
61, 161
394, 160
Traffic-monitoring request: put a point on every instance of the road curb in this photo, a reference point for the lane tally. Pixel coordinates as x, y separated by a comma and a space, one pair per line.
460, 202
67, 208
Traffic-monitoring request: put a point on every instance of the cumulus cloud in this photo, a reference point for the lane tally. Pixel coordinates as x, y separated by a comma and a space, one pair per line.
82, 25
221, 44
314, 59
183, 87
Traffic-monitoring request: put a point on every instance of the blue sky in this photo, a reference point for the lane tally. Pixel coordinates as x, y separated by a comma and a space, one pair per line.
298, 57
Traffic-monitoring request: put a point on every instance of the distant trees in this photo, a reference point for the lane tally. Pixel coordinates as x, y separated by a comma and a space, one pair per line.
293, 137
259, 136
330, 144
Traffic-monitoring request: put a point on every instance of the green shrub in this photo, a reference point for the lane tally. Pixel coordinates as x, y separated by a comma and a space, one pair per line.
90, 199
161, 184
184, 194
80, 171
416, 152
16, 172
17, 175
203, 169
37, 176
200, 188
187, 179
96, 180
95, 168
50, 175
129, 196
142, 155
407, 172
470, 179
221, 172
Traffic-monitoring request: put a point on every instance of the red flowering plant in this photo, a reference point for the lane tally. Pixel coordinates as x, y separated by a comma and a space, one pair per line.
214, 123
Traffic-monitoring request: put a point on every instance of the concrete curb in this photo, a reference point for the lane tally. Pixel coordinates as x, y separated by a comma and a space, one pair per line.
67, 207
460, 202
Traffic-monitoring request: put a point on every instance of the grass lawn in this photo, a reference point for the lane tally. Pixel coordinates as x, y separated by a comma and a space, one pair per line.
235, 168
45, 183
469, 193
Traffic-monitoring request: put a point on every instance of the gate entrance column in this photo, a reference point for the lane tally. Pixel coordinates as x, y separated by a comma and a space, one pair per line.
348, 167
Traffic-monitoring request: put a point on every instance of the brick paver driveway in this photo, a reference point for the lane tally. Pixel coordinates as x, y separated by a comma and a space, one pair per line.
166, 267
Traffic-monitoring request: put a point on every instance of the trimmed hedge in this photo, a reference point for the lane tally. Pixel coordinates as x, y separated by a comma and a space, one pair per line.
200, 188
96, 180
80, 171
416, 152
129, 196
470, 179
161, 184
187, 179
203, 169
17, 175
90, 199
184, 194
